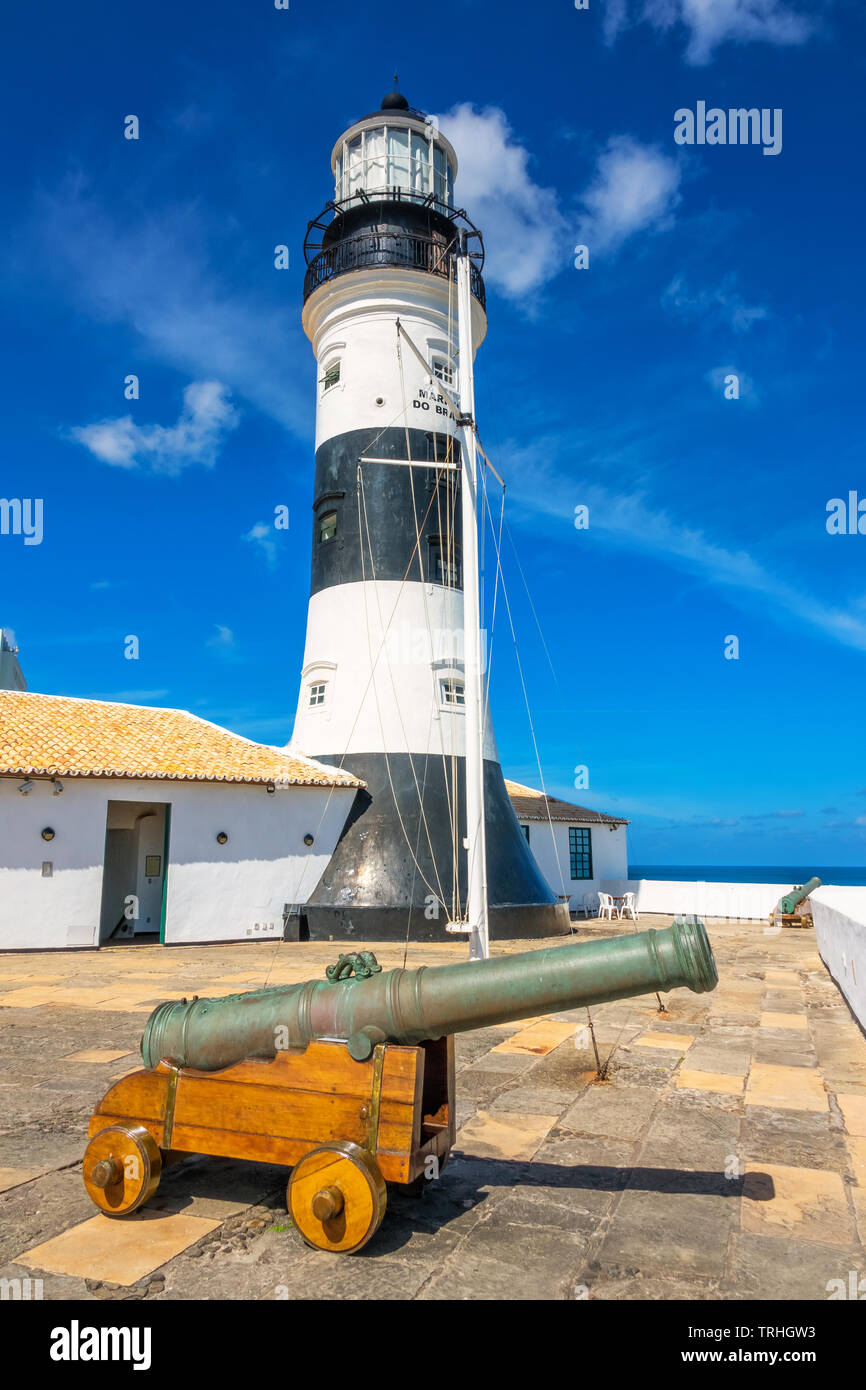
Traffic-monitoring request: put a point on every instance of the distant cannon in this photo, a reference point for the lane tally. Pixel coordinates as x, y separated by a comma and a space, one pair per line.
349, 1080
785, 912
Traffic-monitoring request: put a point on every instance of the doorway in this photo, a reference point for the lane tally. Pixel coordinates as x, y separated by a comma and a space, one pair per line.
134, 873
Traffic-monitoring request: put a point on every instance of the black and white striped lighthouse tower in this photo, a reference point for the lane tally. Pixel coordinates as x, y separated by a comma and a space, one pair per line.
383, 686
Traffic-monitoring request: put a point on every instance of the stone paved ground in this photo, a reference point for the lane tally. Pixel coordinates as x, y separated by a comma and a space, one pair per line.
723, 1157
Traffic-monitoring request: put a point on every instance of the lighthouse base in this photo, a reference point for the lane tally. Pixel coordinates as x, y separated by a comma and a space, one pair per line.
515, 923
391, 876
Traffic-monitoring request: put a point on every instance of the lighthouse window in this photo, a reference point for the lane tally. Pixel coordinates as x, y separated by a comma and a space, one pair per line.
452, 692
440, 184
398, 158
420, 164
444, 563
328, 526
332, 376
443, 371
317, 694
580, 852
376, 153
354, 177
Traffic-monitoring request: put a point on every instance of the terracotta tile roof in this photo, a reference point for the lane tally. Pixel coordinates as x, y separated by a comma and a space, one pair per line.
532, 805
55, 735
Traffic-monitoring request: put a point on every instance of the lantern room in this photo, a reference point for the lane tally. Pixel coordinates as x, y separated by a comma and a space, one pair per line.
396, 150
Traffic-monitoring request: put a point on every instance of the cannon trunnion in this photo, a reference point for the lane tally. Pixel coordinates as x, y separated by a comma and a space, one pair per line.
350, 1081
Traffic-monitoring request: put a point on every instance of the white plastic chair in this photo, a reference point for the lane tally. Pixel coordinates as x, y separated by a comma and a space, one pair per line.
588, 905
627, 908
605, 906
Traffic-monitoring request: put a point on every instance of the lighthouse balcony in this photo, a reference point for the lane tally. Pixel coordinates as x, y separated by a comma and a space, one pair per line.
380, 249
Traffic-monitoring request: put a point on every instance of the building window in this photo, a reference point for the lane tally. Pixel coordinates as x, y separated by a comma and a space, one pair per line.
332, 376
443, 371
444, 564
317, 694
328, 526
525, 829
452, 693
580, 852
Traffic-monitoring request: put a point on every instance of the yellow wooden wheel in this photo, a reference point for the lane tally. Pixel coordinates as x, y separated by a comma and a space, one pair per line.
121, 1169
337, 1197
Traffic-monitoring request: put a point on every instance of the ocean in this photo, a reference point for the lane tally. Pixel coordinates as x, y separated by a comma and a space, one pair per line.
747, 873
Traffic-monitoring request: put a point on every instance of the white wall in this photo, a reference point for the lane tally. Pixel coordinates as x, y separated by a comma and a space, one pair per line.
696, 898
214, 892
609, 856
840, 931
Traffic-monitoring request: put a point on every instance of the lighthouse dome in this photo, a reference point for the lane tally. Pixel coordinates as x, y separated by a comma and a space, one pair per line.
395, 101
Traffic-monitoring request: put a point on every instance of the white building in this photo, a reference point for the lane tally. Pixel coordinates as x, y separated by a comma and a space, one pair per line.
118, 820
579, 851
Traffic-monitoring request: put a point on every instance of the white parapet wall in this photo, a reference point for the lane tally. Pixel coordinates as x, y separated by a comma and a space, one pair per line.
742, 901
840, 931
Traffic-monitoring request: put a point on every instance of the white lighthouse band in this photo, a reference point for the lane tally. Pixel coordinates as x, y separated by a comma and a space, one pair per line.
382, 686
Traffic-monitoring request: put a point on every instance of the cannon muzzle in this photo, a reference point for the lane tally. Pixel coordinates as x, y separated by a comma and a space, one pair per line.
414, 1006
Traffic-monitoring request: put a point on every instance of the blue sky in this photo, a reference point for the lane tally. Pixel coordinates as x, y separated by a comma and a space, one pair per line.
601, 387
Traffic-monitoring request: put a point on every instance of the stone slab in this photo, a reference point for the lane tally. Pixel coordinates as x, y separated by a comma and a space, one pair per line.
668, 1042
779, 1020
119, 1252
801, 1203
710, 1081
854, 1113
539, 1039
504, 1134
788, 1088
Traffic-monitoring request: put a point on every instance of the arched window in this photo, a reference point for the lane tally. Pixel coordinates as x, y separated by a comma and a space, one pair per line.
331, 376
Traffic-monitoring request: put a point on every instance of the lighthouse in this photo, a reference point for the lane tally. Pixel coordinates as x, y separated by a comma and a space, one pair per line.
383, 689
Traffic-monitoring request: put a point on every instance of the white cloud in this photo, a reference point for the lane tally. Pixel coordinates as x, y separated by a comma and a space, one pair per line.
635, 188
722, 305
206, 417
223, 638
526, 232
154, 275
710, 23
630, 520
615, 19
262, 535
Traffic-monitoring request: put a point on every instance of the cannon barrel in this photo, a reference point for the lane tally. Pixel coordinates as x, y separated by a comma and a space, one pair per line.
789, 902
413, 1006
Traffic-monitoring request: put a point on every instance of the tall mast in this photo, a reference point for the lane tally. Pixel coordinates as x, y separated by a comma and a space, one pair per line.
476, 896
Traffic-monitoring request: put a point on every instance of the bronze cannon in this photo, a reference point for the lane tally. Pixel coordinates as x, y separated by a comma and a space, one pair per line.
348, 1080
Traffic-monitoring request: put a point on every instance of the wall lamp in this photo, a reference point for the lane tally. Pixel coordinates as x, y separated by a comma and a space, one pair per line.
308, 839
270, 789
48, 833
26, 787
222, 837
56, 785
